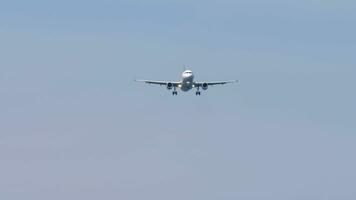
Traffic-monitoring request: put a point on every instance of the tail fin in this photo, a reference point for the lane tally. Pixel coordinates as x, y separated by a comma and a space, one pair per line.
186, 67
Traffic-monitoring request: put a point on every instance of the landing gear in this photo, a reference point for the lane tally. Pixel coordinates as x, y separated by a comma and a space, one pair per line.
174, 92
198, 92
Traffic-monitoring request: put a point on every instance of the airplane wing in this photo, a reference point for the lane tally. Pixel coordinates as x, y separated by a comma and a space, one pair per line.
174, 83
200, 84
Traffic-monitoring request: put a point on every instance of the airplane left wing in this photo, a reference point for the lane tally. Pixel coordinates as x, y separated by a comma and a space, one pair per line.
200, 84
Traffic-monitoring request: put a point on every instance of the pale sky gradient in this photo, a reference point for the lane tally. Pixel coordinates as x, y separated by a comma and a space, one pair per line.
74, 124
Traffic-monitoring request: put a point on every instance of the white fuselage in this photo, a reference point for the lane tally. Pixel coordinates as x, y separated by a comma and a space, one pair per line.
187, 81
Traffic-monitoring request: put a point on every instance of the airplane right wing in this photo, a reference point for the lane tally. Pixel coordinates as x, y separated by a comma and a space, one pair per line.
173, 83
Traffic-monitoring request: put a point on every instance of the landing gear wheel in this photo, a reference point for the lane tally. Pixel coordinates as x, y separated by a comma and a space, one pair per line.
174, 93
197, 92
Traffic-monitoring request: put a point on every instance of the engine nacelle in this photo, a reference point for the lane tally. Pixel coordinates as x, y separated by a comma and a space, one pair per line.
169, 86
204, 86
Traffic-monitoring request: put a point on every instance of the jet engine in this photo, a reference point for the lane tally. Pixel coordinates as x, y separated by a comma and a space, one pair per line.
204, 86
169, 86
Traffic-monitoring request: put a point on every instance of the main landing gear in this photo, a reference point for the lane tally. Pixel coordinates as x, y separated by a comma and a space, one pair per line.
198, 92
174, 92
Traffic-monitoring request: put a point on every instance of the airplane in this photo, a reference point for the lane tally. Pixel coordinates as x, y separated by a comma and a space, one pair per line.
187, 83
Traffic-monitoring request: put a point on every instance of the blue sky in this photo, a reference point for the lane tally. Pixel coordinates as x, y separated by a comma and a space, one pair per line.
73, 124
